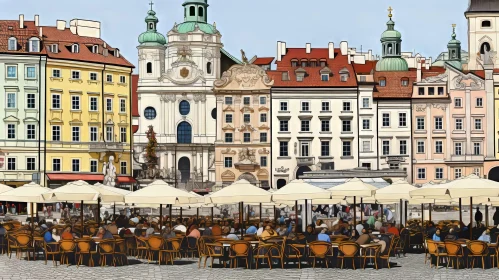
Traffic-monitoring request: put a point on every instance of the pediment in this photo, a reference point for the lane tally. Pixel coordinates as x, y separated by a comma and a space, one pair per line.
228, 176
262, 173
228, 109
263, 108
264, 127
247, 109
30, 120
11, 119
244, 77
228, 127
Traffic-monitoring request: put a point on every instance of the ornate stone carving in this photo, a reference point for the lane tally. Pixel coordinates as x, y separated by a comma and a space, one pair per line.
208, 55
142, 57
246, 154
421, 108
199, 97
281, 169
244, 76
436, 79
228, 151
183, 37
247, 127
207, 38
264, 151
462, 81
442, 107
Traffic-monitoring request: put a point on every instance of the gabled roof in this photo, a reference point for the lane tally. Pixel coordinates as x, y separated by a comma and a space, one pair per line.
233, 58
263, 61
10, 28
313, 76
65, 38
433, 71
394, 88
366, 68
480, 6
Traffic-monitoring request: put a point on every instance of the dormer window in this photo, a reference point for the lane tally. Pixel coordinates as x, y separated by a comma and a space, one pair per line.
53, 48
75, 48
323, 63
117, 53
12, 44
285, 76
313, 63
95, 49
324, 77
486, 24
34, 45
294, 63
300, 74
304, 63
404, 82
344, 75
382, 82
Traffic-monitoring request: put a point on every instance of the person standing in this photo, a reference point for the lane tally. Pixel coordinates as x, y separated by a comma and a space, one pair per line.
13, 209
2, 210
496, 217
478, 216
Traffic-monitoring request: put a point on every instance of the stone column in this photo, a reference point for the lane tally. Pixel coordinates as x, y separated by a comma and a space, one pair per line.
168, 155
172, 120
468, 120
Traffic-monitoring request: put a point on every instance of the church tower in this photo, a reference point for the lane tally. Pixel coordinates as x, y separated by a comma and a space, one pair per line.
391, 41
151, 49
454, 51
483, 37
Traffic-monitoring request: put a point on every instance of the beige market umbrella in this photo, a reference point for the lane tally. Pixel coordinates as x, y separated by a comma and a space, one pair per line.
470, 186
160, 192
240, 191
73, 191
4, 188
109, 194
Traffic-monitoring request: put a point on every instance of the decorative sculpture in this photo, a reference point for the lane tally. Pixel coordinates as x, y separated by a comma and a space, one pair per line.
109, 173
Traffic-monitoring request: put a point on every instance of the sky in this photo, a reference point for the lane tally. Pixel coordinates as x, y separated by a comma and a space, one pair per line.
257, 25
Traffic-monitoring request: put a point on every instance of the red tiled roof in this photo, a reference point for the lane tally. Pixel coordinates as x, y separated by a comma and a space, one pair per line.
135, 128
263, 60
313, 75
65, 38
365, 68
479, 73
433, 71
394, 88
10, 28
135, 96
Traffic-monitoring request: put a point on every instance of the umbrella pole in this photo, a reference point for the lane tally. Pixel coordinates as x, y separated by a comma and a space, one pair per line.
248, 220
260, 208
81, 217
460, 212
406, 203
170, 214
181, 214
401, 211
32, 220
306, 212
296, 213
241, 217
197, 213
429, 211
422, 214
381, 212
354, 212
275, 216
361, 209
98, 211
486, 215
471, 219
160, 216
212, 221
114, 210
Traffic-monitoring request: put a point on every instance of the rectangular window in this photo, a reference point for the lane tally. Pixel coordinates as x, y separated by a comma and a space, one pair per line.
458, 102
347, 148
263, 137
122, 105
263, 161
477, 149
228, 100
365, 102
11, 131
458, 173
283, 125
123, 133
123, 167
439, 123
402, 119
305, 125
56, 101
228, 137
109, 105
247, 118
458, 148
94, 103
394, 166
75, 102
421, 91
366, 124
11, 163
246, 100
93, 76
31, 101
56, 133
228, 118
366, 146
30, 131
263, 118
228, 162
283, 149
476, 171
325, 148
30, 72
459, 124
31, 163
304, 149
305, 106
283, 106
324, 77
325, 106
325, 125
94, 165
109, 133
431, 91
420, 125
93, 134
346, 126
439, 149
11, 100
56, 164
56, 73
421, 173
366, 165
12, 72
386, 120
122, 81
109, 78
478, 124
403, 147
75, 133
386, 147
263, 100
440, 90
75, 75
75, 165
247, 137
479, 102
346, 106
439, 173
420, 146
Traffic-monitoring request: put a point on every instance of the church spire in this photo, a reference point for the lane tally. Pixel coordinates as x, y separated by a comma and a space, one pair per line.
391, 41
454, 50
151, 36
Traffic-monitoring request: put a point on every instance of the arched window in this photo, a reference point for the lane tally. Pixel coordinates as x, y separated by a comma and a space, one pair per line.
151, 26
95, 49
485, 48
208, 67
304, 63
75, 48
184, 107
184, 133
397, 49
200, 12
34, 45
486, 23
12, 44
294, 63
192, 11
453, 54
149, 67
390, 48
281, 183
382, 82
214, 113
150, 113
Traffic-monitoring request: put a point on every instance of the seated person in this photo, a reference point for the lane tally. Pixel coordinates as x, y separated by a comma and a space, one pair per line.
452, 235
251, 229
229, 235
194, 232
67, 233
485, 237
47, 237
112, 228
323, 236
436, 236
216, 230
268, 233
364, 238
102, 233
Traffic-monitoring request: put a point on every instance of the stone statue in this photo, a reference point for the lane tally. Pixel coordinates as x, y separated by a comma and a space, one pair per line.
109, 173
244, 58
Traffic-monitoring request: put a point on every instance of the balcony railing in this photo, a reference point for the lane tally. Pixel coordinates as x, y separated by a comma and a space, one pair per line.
305, 161
106, 146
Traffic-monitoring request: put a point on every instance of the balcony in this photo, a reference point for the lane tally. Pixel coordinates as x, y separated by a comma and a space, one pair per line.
98, 147
305, 161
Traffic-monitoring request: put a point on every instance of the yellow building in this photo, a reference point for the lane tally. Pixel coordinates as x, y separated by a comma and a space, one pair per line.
88, 97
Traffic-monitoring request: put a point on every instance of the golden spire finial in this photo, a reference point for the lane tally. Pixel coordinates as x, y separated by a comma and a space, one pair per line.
390, 10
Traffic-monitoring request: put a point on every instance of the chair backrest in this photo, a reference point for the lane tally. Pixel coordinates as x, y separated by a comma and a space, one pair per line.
477, 247
174, 243
249, 237
155, 242
120, 244
83, 245
23, 239
241, 248
106, 246
67, 245
319, 248
192, 242
214, 248
349, 249
453, 248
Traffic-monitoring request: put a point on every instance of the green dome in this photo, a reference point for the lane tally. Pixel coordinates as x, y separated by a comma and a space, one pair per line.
391, 33
190, 26
151, 16
392, 64
195, 2
152, 38
456, 64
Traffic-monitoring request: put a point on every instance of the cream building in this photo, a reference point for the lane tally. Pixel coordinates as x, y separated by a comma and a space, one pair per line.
242, 149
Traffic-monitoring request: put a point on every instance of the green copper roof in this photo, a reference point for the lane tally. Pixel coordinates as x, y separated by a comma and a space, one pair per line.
152, 38
190, 26
456, 64
204, 2
392, 64
231, 56
454, 42
390, 32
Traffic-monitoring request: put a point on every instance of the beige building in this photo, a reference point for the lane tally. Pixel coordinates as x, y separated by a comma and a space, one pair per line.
242, 148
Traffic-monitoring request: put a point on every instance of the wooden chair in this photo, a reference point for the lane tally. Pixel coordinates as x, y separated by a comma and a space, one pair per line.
141, 247
51, 249
121, 251
319, 250
477, 249
170, 250
348, 250
106, 249
192, 245
154, 245
277, 251
262, 252
371, 252
454, 252
67, 247
202, 252
215, 250
11, 243
386, 255
249, 237
433, 250
24, 243
338, 238
239, 249
84, 247
294, 252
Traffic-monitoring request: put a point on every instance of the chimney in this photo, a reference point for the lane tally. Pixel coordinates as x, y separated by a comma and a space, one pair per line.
41, 32
37, 20
308, 46
370, 55
344, 47
283, 48
61, 24
21, 21
279, 54
418, 79
330, 47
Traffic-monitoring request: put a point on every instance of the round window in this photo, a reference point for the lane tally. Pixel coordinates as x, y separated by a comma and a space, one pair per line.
150, 113
214, 113
184, 107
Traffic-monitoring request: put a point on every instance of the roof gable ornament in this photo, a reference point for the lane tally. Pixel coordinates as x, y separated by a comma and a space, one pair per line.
244, 77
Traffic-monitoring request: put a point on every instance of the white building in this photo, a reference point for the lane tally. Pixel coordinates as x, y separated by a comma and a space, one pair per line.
175, 95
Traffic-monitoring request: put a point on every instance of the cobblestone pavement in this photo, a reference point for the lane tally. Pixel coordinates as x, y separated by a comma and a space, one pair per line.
410, 267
